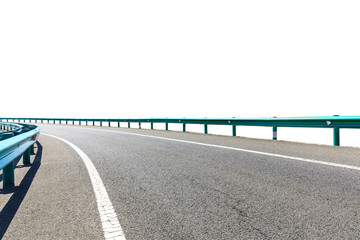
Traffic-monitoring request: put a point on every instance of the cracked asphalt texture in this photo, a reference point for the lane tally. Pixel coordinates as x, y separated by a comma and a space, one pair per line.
171, 190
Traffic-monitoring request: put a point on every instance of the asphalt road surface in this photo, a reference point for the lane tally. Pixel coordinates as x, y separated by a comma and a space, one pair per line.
167, 186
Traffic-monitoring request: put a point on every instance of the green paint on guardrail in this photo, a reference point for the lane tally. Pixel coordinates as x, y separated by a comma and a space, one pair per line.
335, 122
21, 143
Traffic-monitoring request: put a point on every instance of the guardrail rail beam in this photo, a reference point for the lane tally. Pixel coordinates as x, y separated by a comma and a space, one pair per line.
335, 122
19, 141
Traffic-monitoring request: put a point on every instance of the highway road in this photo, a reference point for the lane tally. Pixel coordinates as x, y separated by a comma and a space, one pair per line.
174, 185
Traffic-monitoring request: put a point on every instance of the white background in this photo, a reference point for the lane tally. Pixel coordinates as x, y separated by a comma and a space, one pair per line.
130, 59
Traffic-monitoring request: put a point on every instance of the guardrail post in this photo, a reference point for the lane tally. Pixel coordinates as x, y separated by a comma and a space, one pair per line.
93, 123
234, 130
26, 156
109, 123
118, 124
100, 123
139, 125
184, 127
152, 125
128, 124
166, 126
205, 128
32, 151
8, 174
274, 133
336, 136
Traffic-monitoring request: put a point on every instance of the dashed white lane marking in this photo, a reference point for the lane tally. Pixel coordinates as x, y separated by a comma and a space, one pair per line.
235, 149
109, 219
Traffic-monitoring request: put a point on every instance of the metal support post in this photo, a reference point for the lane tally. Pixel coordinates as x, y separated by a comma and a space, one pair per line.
152, 125
234, 130
32, 151
139, 125
26, 156
128, 124
166, 126
274, 133
205, 128
8, 174
184, 127
336, 136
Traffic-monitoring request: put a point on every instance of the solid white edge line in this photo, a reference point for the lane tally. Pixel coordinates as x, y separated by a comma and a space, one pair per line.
109, 220
235, 149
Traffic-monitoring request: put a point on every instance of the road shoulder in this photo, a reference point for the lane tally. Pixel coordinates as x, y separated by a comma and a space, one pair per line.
52, 198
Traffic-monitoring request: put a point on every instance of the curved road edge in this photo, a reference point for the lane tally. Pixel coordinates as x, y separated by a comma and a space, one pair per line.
52, 198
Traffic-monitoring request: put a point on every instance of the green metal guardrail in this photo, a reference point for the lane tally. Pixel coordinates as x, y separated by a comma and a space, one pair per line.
8, 130
334, 122
22, 142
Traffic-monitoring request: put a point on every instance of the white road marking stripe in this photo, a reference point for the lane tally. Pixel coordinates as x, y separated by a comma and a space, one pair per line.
109, 219
235, 149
